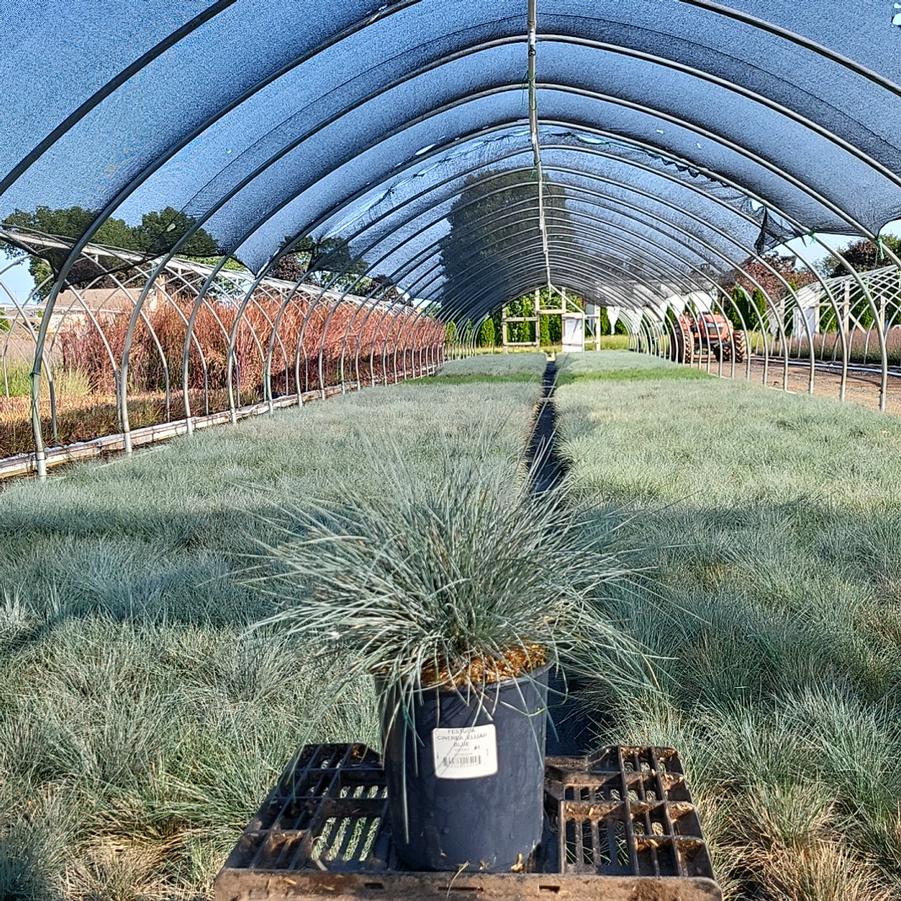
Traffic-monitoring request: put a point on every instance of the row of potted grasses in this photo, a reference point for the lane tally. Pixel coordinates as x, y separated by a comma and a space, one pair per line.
354, 343
760, 582
771, 608
140, 721
863, 347
83, 415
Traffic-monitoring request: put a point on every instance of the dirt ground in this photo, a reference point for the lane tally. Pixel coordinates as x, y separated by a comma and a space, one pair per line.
862, 387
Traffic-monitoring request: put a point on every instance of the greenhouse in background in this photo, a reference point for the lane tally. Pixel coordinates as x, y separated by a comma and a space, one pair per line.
450, 449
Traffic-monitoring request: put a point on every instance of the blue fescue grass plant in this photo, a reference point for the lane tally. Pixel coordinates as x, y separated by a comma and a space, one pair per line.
773, 528
456, 580
496, 365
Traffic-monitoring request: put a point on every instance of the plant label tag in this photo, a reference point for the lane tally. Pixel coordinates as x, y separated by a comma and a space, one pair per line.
466, 753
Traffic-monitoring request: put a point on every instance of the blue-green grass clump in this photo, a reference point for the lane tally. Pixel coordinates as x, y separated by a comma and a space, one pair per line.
773, 540
141, 721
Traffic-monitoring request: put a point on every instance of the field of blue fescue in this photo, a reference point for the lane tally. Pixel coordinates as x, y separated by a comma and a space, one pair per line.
771, 528
141, 722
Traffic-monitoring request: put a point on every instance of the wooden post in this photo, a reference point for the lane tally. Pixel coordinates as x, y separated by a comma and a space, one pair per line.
537, 318
504, 328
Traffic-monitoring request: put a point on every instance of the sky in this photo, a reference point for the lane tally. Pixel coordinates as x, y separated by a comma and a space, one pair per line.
18, 281
814, 253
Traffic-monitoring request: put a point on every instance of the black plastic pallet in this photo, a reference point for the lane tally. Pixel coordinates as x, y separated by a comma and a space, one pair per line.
618, 825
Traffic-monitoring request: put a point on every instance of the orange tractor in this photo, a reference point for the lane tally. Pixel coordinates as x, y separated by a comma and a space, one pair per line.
710, 333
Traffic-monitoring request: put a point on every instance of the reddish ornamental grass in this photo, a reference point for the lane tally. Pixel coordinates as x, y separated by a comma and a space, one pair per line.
353, 340
863, 347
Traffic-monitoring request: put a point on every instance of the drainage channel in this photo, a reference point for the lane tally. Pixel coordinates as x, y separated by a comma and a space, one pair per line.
569, 732
546, 466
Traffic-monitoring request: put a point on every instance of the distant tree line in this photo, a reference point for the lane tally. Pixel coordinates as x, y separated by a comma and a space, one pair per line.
324, 262
154, 234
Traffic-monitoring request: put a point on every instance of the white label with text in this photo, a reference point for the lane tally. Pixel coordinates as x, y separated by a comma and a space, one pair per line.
466, 753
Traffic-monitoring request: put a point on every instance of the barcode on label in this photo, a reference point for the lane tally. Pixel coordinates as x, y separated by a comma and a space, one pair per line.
468, 760
465, 753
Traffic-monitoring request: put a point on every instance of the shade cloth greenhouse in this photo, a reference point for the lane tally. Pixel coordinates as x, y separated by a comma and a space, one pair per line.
674, 139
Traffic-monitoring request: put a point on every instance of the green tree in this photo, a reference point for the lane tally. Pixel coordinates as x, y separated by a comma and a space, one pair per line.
732, 309
758, 303
864, 314
158, 231
747, 310
551, 327
545, 332
604, 321
329, 261
155, 234
858, 307
604, 324
487, 337
65, 222
493, 219
521, 332
863, 255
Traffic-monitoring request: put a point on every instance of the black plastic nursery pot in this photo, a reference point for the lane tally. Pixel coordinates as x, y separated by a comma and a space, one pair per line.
570, 732
466, 776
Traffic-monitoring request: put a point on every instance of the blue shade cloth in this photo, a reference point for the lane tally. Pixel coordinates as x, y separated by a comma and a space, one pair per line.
410, 219
58, 53
678, 137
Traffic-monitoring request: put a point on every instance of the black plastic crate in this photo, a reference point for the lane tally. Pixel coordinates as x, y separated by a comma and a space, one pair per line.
618, 825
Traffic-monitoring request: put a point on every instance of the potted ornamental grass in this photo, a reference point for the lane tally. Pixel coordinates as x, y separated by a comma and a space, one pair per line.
457, 591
